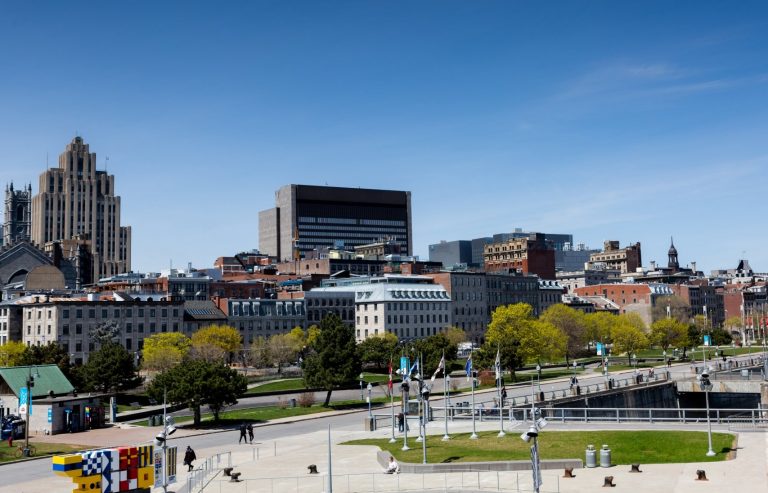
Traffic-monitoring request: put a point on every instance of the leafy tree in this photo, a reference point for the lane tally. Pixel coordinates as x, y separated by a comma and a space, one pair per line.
52, 354
281, 350
733, 324
297, 339
335, 361
599, 325
679, 309
503, 334
258, 353
628, 337
164, 350
456, 335
432, 349
12, 353
571, 322
195, 383
216, 343
541, 341
669, 332
110, 369
377, 350
105, 332
313, 332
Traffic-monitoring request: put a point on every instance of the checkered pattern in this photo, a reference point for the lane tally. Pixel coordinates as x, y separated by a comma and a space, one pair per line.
92, 463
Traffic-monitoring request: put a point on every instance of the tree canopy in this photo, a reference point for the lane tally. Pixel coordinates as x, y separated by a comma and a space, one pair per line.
12, 353
572, 323
628, 335
377, 350
335, 360
164, 350
669, 332
216, 343
195, 383
110, 369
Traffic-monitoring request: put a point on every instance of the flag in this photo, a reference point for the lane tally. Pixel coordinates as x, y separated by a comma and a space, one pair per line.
389, 385
497, 364
415, 366
468, 367
440, 366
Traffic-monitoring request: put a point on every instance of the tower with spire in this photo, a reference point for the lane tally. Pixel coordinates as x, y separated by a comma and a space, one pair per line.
18, 215
672, 263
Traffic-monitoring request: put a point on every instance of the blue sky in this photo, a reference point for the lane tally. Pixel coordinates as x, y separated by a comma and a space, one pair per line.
632, 121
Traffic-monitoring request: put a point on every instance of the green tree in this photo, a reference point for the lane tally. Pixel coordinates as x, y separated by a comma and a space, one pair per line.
541, 341
669, 332
216, 343
628, 337
195, 383
52, 354
572, 323
110, 369
297, 339
377, 350
281, 350
432, 349
12, 353
164, 350
313, 332
335, 361
599, 326
105, 332
733, 324
258, 353
679, 309
456, 335
507, 325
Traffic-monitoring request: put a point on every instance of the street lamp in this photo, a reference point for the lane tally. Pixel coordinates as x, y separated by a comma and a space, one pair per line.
161, 440
446, 404
537, 424
706, 386
28, 402
360, 377
370, 415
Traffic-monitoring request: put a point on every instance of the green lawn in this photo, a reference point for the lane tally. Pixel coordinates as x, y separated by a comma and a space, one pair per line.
297, 384
9, 453
627, 447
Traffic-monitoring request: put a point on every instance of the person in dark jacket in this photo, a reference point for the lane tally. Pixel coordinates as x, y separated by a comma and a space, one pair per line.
243, 430
189, 457
250, 432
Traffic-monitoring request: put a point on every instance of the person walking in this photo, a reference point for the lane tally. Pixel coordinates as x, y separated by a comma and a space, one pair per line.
189, 457
243, 429
400, 420
250, 432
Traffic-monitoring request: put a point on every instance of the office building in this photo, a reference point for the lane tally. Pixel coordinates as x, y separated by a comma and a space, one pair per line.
307, 218
77, 206
452, 253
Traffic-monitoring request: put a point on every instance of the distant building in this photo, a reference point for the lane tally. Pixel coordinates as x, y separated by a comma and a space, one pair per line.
629, 297
627, 259
76, 203
530, 255
263, 317
550, 293
18, 215
580, 278
452, 253
307, 218
320, 302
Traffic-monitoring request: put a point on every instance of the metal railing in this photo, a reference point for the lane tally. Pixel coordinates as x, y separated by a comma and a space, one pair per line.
198, 477
504, 481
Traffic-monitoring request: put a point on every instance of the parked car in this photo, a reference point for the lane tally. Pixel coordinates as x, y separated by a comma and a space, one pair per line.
12, 425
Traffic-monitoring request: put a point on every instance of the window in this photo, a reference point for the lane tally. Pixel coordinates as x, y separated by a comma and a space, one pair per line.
129, 312
65, 330
141, 312
141, 327
104, 313
78, 328
79, 313
91, 313
129, 327
65, 313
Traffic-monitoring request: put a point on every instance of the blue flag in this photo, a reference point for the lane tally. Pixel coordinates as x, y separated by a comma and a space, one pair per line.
468, 367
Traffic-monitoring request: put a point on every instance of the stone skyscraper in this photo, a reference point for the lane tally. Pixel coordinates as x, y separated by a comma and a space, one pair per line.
18, 215
76, 206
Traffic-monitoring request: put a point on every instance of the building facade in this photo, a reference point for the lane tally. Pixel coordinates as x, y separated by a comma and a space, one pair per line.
77, 203
307, 218
627, 259
529, 255
452, 253
263, 318
320, 303
18, 215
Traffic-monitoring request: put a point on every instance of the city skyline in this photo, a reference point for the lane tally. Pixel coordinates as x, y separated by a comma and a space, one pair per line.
627, 122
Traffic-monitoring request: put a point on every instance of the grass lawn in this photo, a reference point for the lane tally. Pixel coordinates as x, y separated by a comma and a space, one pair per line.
121, 408
627, 447
297, 384
9, 453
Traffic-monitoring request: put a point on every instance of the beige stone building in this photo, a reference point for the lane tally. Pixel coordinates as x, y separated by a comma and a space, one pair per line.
624, 260
76, 203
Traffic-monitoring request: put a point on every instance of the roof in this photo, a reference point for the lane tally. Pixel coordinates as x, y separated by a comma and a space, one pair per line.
47, 378
202, 310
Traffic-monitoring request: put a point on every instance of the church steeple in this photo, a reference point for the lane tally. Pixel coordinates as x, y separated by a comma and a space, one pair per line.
672, 263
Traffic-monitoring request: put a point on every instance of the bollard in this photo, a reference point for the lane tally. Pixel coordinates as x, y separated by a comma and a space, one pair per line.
312, 469
235, 477
228, 471
605, 456
635, 468
701, 475
569, 473
608, 482
591, 456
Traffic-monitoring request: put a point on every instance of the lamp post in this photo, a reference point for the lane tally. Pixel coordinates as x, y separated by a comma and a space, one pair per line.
406, 397
706, 386
537, 424
161, 440
30, 384
360, 377
446, 404
369, 387
473, 436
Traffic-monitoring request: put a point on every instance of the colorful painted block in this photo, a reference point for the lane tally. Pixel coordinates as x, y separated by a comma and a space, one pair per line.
146, 477
128, 483
110, 482
145, 455
90, 484
70, 465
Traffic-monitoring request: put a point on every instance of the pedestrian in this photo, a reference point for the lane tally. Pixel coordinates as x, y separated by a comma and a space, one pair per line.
400, 421
243, 429
189, 457
669, 363
250, 432
392, 467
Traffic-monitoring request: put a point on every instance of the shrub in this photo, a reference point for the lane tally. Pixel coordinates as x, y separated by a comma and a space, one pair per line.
307, 399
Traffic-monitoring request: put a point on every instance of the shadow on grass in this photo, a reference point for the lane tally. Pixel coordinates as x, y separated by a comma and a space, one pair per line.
451, 459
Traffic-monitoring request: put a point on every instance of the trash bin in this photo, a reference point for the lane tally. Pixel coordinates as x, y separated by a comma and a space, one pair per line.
578, 390
610, 383
293, 402
541, 396
591, 460
369, 424
605, 456
151, 421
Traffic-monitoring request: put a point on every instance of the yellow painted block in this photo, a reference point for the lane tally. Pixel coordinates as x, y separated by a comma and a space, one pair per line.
146, 477
72, 473
67, 459
90, 484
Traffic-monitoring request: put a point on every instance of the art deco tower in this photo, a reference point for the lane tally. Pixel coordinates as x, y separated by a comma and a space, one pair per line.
18, 204
76, 205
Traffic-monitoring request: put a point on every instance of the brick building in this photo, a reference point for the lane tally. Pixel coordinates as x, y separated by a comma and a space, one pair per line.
627, 259
529, 255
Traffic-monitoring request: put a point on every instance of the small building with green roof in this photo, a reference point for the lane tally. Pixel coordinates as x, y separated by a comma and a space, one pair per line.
56, 406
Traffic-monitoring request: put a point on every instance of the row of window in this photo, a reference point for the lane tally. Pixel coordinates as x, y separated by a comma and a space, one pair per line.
116, 313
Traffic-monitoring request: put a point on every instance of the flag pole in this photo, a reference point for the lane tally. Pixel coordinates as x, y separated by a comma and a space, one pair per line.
445, 397
392, 400
499, 376
473, 436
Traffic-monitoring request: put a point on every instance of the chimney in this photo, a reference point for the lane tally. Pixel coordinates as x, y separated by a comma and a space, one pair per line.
693, 267
653, 265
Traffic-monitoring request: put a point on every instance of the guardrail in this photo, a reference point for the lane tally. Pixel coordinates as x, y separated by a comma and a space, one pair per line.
504, 481
198, 477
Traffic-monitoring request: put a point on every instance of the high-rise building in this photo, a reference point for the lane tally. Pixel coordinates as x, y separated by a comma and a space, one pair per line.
307, 218
18, 215
76, 205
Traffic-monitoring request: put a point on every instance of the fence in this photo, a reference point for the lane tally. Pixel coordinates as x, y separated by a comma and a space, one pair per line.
196, 481
484, 481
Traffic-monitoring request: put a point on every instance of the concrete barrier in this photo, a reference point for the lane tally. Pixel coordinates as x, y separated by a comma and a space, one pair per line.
382, 456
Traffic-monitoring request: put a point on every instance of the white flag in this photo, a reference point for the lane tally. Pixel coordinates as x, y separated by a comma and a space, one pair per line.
440, 366
498, 365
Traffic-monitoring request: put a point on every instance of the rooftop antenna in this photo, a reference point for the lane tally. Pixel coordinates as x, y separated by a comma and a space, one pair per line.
106, 164
47, 167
